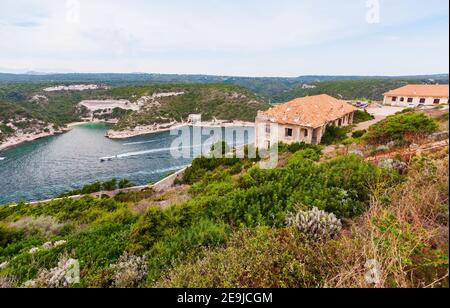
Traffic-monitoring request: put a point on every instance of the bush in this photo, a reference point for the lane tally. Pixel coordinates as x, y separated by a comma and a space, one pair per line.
298, 146
100, 186
47, 225
257, 258
56, 277
444, 117
405, 125
202, 165
335, 134
8, 236
362, 116
220, 149
129, 271
315, 224
359, 133
310, 154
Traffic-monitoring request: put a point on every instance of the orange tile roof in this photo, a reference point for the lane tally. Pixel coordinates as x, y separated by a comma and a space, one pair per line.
422, 90
311, 111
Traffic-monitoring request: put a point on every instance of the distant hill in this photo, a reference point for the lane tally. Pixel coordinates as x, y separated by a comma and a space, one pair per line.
271, 88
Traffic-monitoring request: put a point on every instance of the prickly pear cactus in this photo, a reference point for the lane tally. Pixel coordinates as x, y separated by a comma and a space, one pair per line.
316, 224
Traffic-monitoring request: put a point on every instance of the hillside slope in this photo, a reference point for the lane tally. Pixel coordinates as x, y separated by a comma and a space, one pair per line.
223, 102
27, 110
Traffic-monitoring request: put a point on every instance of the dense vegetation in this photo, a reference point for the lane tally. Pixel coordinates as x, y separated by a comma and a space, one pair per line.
405, 126
362, 116
276, 90
222, 203
224, 102
20, 101
335, 134
238, 214
100, 186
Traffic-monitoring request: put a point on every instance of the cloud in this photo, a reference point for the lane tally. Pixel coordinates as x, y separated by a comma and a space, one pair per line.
247, 37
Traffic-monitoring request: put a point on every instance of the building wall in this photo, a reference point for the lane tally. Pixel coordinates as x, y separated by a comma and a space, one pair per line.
429, 101
300, 133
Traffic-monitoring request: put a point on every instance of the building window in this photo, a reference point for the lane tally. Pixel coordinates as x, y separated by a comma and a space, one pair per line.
268, 145
268, 129
402, 99
394, 99
422, 101
437, 101
340, 122
289, 132
306, 133
410, 100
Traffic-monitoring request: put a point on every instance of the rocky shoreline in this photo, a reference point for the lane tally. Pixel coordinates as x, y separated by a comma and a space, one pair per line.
152, 129
17, 140
117, 135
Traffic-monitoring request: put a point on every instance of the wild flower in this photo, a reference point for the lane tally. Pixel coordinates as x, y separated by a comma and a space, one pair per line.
47, 246
34, 250
59, 243
3, 265
56, 278
130, 271
30, 284
6, 282
316, 224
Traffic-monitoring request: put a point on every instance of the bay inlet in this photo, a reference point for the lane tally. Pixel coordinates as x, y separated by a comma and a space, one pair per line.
48, 167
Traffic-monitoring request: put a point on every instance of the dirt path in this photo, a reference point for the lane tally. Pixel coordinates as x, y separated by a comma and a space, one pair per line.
380, 113
366, 125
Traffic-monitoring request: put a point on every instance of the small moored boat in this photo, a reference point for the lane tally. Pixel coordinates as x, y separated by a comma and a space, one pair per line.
104, 159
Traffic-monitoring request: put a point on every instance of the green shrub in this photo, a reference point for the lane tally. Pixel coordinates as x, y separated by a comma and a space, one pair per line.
8, 236
257, 258
125, 184
310, 154
298, 146
335, 134
174, 249
99, 186
444, 117
362, 116
202, 165
359, 133
405, 125
220, 149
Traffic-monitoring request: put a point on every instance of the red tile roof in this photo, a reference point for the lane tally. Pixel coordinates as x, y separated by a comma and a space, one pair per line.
421, 90
311, 111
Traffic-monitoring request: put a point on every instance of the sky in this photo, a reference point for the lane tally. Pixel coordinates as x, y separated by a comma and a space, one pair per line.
283, 38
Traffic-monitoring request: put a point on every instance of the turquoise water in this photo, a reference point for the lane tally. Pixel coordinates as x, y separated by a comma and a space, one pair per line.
48, 167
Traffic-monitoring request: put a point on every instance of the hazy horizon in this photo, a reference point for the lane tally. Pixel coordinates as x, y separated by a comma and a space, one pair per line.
43, 73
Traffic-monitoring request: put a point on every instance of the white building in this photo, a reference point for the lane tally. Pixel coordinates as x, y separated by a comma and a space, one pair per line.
417, 96
302, 120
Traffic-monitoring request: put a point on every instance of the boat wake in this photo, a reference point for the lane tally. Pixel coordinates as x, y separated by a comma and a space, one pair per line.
154, 151
145, 142
2, 158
